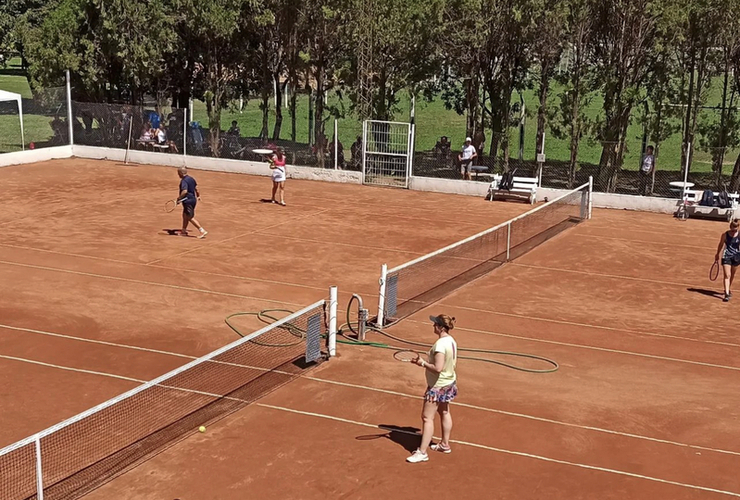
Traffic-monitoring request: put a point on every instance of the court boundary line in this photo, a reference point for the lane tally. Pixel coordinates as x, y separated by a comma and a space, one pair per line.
509, 452
375, 389
166, 268
219, 242
142, 282
585, 325
603, 275
649, 242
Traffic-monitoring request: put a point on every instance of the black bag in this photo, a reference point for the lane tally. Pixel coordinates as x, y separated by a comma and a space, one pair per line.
507, 181
723, 200
707, 199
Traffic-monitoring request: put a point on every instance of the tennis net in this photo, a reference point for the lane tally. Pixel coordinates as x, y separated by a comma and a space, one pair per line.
76, 456
412, 286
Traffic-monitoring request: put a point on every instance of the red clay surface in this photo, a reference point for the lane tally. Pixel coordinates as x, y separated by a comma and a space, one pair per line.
644, 405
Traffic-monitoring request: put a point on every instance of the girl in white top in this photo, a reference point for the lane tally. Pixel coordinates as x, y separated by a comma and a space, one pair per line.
441, 388
277, 164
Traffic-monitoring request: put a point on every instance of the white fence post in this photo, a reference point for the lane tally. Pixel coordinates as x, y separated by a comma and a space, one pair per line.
39, 471
381, 296
508, 241
185, 133
686, 172
332, 344
69, 110
336, 145
590, 195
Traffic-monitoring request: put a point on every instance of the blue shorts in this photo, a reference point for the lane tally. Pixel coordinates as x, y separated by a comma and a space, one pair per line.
188, 210
733, 260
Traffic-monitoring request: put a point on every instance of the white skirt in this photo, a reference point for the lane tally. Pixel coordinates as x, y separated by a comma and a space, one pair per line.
278, 175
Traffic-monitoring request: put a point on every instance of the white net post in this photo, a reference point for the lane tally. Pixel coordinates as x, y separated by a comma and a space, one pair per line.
69, 110
332, 341
508, 241
590, 195
381, 296
686, 173
336, 144
39, 470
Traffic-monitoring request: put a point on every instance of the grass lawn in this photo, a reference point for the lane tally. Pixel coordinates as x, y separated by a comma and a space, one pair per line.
433, 120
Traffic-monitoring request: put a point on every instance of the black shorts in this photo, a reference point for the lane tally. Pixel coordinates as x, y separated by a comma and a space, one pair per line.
733, 261
188, 210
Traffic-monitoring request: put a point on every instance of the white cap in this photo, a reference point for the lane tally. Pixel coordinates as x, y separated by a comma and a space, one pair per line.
468, 139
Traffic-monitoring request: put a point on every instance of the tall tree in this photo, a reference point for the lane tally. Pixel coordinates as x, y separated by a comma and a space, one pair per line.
625, 35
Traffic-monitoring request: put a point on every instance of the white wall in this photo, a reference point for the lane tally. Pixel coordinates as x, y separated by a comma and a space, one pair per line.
215, 164
35, 155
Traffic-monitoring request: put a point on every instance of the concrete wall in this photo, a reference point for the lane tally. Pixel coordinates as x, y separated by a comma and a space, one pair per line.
35, 155
216, 164
453, 186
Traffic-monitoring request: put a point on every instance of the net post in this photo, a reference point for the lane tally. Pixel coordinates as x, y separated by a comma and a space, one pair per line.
69, 110
39, 470
332, 340
508, 241
381, 296
590, 195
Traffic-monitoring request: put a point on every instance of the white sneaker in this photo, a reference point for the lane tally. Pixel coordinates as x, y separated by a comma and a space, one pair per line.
438, 447
203, 234
417, 457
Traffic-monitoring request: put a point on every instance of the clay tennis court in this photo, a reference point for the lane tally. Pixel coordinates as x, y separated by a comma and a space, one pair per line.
95, 299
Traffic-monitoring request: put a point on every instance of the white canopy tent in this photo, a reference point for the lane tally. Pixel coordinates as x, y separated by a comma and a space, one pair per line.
10, 96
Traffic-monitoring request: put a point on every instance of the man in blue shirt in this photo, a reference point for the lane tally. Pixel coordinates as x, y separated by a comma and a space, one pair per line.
189, 196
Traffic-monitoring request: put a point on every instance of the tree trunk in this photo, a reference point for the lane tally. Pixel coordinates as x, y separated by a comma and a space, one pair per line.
575, 135
278, 108
723, 123
472, 102
687, 137
735, 178
319, 137
265, 105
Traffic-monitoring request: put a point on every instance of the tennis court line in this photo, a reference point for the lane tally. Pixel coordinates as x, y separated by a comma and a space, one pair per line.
354, 386
649, 242
509, 452
219, 242
167, 268
573, 323
603, 275
142, 282
528, 417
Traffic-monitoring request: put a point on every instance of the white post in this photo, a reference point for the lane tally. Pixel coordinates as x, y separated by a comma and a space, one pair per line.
336, 145
332, 344
686, 172
190, 109
286, 97
39, 471
364, 149
508, 241
541, 163
185, 133
590, 195
69, 110
274, 89
381, 297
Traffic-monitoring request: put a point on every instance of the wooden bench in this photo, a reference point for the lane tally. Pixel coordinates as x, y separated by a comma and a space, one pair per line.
691, 206
524, 188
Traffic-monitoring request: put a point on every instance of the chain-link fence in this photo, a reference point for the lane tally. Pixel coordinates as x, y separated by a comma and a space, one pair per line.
44, 121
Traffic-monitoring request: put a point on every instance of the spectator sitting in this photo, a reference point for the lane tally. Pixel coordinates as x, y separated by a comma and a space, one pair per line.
442, 148
234, 130
356, 152
146, 132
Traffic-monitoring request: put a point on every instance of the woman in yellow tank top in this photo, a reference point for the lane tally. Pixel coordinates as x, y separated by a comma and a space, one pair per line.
441, 388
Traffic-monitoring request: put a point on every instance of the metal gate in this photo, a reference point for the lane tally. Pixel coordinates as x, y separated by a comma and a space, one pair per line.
387, 153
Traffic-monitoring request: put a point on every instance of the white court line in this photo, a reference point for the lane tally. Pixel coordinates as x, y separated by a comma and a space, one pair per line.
219, 242
529, 417
168, 268
648, 242
362, 387
603, 275
510, 452
584, 325
153, 283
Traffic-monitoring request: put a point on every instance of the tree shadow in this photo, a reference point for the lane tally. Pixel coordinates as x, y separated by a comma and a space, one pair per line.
709, 293
406, 437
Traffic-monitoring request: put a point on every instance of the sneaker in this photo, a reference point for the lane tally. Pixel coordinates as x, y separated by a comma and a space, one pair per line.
417, 457
727, 297
438, 447
203, 234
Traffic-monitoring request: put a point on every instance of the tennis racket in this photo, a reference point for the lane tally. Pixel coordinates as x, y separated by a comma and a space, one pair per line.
170, 205
406, 356
714, 272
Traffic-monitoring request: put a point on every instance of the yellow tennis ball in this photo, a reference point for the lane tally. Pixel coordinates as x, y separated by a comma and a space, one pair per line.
202, 428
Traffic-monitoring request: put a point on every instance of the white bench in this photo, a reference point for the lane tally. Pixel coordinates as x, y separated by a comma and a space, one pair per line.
693, 198
524, 188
